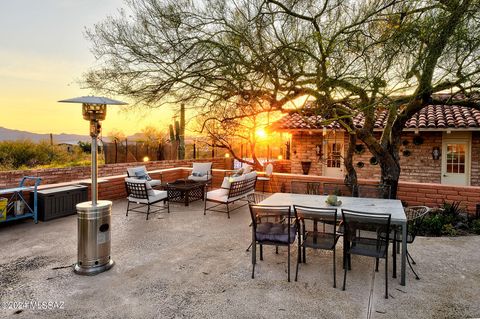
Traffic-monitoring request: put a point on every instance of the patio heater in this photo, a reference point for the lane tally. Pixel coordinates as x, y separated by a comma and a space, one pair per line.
94, 217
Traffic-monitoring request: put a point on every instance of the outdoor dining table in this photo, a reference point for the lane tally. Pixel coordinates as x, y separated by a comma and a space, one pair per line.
368, 205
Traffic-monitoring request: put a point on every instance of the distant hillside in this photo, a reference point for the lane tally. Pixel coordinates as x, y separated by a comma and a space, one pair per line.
12, 135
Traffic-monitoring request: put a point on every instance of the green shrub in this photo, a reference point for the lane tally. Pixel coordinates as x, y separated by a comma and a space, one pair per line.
476, 226
15, 155
449, 230
431, 225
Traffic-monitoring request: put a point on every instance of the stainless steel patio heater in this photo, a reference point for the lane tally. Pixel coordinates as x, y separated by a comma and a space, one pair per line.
94, 217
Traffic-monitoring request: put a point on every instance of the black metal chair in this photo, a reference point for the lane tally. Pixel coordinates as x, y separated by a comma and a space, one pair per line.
374, 191
415, 216
272, 225
140, 192
339, 189
366, 234
305, 187
317, 231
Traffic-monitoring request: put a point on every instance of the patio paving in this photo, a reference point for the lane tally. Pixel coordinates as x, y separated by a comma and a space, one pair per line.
186, 265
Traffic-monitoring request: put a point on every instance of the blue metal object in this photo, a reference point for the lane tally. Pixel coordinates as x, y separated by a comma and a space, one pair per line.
17, 194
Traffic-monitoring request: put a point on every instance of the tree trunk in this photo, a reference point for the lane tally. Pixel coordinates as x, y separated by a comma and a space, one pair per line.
351, 176
390, 168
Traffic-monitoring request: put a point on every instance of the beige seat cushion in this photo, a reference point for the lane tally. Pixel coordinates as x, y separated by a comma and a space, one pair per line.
153, 196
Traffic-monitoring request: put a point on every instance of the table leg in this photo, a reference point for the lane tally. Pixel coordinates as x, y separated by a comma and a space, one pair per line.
404, 253
186, 195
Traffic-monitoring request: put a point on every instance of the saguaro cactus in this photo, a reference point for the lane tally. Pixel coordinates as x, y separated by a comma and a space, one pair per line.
177, 134
181, 133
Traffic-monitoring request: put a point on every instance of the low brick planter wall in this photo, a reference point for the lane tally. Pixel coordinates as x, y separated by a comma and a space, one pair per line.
432, 195
66, 175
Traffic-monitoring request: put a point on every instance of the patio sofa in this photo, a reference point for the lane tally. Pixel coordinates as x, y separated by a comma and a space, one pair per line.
240, 188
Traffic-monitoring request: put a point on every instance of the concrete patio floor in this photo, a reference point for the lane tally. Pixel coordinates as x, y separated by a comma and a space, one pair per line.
187, 265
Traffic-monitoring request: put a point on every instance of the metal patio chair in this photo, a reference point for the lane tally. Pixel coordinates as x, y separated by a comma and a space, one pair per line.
140, 192
374, 191
339, 189
305, 187
272, 225
317, 231
415, 216
366, 234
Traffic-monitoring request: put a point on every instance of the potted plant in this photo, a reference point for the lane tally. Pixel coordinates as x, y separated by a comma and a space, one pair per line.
306, 167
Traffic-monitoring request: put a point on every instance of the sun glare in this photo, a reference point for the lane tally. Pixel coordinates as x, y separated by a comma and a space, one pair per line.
261, 133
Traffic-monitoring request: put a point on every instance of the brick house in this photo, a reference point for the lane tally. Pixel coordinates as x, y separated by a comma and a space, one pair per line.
440, 144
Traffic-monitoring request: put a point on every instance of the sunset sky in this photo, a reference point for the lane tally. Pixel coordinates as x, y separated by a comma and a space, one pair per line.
43, 54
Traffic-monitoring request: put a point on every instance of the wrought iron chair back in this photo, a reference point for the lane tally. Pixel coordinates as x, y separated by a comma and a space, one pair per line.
137, 190
305, 187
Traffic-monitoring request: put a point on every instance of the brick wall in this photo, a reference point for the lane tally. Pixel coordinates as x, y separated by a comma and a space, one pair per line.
65, 175
419, 166
475, 173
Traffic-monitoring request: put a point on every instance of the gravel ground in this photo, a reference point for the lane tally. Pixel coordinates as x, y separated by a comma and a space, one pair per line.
187, 265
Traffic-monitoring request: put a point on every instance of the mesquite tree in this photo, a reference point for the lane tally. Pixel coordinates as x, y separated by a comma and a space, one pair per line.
347, 56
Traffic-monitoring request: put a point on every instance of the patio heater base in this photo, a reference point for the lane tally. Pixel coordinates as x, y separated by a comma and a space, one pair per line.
94, 238
90, 271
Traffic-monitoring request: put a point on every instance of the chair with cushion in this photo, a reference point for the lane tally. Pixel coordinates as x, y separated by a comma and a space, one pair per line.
141, 194
366, 234
201, 172
304, 187
317, 231
374, 191
140, 172
272, 225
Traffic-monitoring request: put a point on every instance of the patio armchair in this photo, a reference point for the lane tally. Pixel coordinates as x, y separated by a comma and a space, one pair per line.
374, 191
317, 231
140, 172
366, 234
201, 172
141, 194
304, 187
272, 225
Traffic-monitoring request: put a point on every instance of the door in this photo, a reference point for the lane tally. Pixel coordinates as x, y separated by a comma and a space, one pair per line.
334, 155
456, 161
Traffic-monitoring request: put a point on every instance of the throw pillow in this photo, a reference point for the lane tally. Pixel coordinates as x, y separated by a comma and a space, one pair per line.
199, 174
142, 175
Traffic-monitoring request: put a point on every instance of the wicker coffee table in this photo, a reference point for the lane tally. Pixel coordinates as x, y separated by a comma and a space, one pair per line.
185, 190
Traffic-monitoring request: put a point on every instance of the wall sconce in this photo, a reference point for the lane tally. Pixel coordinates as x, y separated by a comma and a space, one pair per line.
436, 153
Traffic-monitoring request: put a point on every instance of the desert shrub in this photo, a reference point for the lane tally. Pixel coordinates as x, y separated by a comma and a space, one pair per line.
26, 154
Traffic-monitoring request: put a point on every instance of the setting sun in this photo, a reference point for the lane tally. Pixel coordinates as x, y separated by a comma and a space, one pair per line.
261, 133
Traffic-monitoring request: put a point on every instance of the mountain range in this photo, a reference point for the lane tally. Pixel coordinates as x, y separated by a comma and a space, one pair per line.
12, 135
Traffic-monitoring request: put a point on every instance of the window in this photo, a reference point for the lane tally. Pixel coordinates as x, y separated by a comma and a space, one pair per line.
334, 154
456, 158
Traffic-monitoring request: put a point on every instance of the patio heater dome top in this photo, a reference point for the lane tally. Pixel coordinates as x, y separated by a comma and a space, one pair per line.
94, 108
90, 99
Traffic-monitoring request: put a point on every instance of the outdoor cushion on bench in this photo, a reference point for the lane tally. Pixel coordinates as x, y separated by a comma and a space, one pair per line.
201, 172
233, 189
